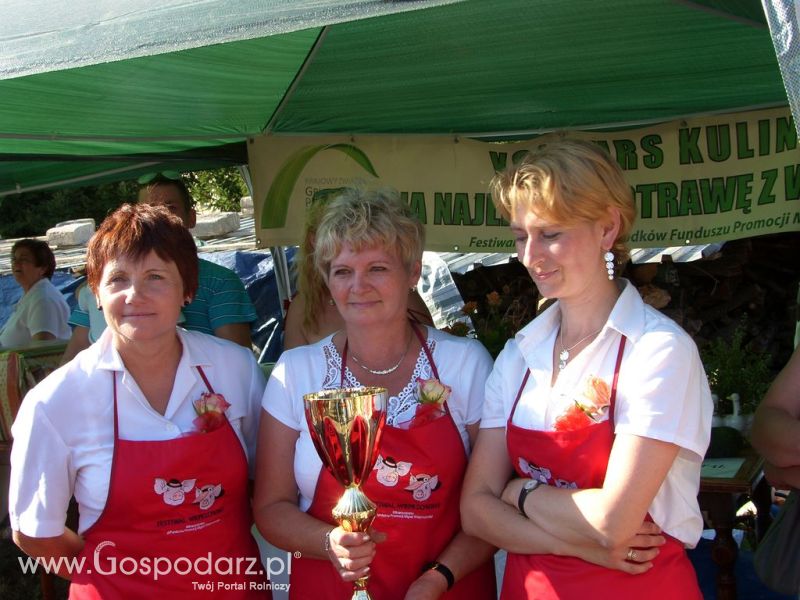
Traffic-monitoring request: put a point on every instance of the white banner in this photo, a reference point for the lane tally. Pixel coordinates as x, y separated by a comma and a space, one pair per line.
694, 182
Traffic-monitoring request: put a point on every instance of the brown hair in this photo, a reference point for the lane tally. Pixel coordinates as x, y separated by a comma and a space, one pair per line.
135, 230
178, 184
567, 182
43, 256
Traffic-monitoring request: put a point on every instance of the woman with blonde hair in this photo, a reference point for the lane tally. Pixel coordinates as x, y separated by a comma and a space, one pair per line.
598, 412
368, 249
312, 314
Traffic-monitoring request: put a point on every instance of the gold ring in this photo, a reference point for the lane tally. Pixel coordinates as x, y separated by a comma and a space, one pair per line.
631, 556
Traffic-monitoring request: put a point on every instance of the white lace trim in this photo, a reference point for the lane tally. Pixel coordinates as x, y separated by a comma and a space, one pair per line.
401, 407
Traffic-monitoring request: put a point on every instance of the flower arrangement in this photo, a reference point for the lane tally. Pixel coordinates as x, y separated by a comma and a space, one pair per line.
431, 396
210, 409
588, 408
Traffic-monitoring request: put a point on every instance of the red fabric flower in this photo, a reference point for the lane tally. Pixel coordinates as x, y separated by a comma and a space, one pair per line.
571, 419
210, 409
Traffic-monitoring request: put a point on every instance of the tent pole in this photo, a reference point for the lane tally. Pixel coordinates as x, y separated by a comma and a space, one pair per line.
295, 82
280, 264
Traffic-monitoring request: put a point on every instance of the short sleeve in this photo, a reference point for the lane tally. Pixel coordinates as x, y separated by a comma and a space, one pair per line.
280, 398
42, 477
46, 315
468, 365
252, 415
229, 303
508, 368
664, 394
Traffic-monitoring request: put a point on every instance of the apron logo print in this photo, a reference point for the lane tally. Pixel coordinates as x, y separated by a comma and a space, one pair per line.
390, 470
173, 491
544, 475
206, 494
422, 485
539, 473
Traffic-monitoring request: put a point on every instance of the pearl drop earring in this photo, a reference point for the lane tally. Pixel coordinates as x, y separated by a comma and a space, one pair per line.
609, 258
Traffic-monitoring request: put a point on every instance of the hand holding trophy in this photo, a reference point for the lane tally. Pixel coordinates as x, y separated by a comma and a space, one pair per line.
345, 426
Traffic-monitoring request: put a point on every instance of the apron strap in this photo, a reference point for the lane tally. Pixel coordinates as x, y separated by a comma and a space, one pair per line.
519, 393
612, 400
205, 379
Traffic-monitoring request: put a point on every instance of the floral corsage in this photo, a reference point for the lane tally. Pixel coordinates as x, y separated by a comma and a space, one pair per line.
210, 409
431, 396
588, 408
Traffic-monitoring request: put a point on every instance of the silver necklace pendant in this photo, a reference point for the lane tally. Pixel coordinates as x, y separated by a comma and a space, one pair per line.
563, 358
383, 371
379, 371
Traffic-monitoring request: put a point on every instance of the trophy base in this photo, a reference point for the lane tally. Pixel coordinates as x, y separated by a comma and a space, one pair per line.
354, 511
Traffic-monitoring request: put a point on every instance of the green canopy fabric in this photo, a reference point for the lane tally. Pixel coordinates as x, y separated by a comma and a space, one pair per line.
500, 69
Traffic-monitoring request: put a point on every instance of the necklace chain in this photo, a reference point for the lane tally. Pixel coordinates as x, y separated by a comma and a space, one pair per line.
383, 371
563, 356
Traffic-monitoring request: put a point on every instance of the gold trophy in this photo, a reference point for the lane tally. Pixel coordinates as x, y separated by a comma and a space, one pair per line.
346, 425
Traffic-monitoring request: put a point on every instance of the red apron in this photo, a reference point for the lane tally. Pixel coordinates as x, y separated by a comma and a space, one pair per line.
416, 485
579, 458
177, 505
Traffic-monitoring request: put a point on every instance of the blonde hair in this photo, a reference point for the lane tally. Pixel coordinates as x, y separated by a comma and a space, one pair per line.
567, 182
366, 219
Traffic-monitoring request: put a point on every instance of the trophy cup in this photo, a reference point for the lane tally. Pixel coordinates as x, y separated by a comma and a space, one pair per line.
345, 426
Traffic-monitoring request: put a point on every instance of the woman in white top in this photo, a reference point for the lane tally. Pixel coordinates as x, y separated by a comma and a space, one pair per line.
151, 428
598, 413
369, 249
42, 312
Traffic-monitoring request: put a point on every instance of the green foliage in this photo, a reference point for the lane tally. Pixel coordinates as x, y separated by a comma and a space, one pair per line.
220, 189
33, 213
732, 366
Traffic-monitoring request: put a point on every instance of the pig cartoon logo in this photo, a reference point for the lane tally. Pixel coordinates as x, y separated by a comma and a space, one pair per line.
422, 485
206, 494
542, 474
173, 491
390, 470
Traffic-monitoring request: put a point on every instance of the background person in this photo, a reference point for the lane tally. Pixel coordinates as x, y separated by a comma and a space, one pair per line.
152, 429
598, 410
312, 314
369, 250
221, 306
776, 427
42, 312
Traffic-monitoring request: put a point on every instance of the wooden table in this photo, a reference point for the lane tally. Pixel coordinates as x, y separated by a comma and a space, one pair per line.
719, 501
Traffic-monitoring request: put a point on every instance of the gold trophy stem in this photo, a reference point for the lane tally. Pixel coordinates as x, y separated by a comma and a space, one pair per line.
355, 512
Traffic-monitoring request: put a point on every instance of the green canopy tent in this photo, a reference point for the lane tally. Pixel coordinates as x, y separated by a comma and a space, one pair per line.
94, 90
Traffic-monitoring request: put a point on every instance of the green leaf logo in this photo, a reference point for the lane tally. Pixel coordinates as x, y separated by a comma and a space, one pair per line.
276, 204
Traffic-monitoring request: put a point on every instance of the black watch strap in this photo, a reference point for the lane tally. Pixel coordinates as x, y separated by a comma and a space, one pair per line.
439, 567
523, 494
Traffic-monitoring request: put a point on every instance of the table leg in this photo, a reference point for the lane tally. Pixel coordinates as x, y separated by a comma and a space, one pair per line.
762, 498
721, 511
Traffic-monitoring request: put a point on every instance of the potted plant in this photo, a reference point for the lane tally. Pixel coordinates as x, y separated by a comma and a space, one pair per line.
739, 377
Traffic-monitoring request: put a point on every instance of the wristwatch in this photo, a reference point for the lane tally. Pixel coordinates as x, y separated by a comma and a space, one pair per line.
527, 488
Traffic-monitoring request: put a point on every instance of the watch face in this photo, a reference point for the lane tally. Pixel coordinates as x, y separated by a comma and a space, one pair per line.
529, 485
